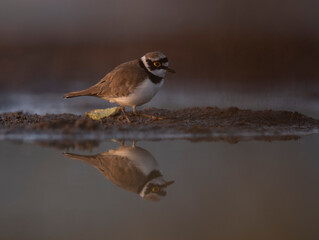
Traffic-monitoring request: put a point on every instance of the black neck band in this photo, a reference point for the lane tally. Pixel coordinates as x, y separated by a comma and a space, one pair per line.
155, 79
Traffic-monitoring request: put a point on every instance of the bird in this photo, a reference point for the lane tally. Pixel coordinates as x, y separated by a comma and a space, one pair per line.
132, 83
131, 168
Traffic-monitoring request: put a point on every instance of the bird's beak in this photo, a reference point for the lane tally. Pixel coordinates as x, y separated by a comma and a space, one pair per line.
170, 70
167, 184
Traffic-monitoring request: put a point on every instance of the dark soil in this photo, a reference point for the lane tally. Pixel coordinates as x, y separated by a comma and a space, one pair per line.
231, 124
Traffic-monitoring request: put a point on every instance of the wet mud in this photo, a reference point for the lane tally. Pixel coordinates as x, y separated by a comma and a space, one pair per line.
208, 123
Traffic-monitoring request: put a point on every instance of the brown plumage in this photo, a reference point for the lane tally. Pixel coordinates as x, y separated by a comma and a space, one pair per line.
131, 84
117, 83
131, 168
120, 170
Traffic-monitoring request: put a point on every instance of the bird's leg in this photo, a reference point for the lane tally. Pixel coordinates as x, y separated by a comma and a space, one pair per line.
146, 115
134, 110
133, 144
123, 110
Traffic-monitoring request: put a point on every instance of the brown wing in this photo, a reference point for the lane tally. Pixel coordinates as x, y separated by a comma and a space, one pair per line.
120, 170
117, 83
121, 81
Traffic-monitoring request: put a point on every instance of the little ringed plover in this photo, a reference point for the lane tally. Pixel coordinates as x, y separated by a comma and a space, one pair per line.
132, 83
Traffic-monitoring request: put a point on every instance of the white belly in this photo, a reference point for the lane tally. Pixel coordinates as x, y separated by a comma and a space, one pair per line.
141, 159
141, 95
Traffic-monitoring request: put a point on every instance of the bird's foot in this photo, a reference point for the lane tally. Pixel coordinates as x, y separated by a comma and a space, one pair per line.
146, 115
150, 116
126, 117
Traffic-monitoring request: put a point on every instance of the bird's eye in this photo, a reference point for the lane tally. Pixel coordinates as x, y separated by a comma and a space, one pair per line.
155, 189
157, 64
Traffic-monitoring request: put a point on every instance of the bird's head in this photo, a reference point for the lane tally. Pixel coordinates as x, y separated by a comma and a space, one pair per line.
155, 189
156, 63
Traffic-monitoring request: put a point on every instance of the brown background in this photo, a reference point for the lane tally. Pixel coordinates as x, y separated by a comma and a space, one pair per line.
53, 45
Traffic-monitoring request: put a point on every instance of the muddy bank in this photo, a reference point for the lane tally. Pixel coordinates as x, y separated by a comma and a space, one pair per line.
231, 124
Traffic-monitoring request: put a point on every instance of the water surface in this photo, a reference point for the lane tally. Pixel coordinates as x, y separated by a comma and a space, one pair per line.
248, 190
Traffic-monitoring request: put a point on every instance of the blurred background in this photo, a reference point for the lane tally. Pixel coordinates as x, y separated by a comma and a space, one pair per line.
223, 45
245, 53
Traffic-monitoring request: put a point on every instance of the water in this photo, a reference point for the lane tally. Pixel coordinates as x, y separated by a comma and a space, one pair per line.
248, 190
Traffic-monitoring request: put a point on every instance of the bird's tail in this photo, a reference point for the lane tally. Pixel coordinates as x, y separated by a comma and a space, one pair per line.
92, 91
89, 159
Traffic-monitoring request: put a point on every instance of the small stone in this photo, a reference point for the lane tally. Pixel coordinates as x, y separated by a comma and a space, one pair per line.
99, 114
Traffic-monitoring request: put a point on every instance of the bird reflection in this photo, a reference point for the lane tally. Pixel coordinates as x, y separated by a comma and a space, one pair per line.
131, 168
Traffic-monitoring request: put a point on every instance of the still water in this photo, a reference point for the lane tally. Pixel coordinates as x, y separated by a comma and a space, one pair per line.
198, 190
